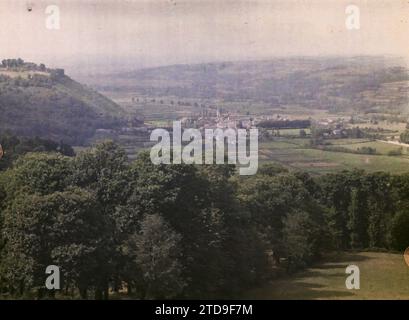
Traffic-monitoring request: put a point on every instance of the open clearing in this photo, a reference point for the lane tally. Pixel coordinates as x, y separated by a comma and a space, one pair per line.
383, 276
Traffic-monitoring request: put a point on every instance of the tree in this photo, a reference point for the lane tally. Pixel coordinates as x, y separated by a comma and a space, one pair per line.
400, 230
404, 136
62, 229
335, 194
104, 172
274, 201
301, 237
357, 219
15, 147
38, 173
380, 208
182, 196
155, 252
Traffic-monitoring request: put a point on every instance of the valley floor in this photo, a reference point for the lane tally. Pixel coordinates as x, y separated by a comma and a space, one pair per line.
383, 276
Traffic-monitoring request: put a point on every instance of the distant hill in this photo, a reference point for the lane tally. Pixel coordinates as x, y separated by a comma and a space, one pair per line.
37, 101
370, 84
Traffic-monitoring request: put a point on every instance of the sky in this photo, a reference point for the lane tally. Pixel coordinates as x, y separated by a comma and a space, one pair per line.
105, 35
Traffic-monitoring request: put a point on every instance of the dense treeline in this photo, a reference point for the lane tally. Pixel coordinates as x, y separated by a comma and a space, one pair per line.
284, 124
181, 230
14, 146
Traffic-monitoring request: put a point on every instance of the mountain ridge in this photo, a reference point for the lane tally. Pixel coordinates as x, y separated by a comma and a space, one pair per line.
333, 83
37, 101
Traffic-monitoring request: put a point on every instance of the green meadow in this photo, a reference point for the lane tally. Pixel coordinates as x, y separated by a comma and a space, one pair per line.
382, 276
297, 154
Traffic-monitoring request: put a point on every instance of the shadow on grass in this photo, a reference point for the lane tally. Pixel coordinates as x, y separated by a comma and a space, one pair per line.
296, 288
323, 280
330, 266
311, 294
305, 284
347, 257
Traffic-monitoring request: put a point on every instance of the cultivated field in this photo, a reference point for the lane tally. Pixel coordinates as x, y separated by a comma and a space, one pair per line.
297, 154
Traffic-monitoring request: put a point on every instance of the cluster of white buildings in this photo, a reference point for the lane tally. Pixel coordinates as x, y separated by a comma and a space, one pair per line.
219, 120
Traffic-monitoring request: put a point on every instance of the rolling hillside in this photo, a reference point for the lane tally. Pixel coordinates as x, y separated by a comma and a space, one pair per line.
368, 84
37, 101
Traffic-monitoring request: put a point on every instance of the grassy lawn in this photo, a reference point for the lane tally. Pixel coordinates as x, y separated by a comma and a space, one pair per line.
383, 276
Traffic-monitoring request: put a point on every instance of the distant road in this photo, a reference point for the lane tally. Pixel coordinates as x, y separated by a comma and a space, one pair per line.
395, 143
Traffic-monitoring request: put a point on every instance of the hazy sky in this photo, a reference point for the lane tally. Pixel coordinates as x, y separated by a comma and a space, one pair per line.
139, 33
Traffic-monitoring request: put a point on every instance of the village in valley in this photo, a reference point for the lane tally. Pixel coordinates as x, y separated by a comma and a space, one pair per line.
315, 141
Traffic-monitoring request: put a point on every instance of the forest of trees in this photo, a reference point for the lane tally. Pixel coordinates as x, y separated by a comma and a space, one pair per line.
17, 146
180, 231
404, 136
